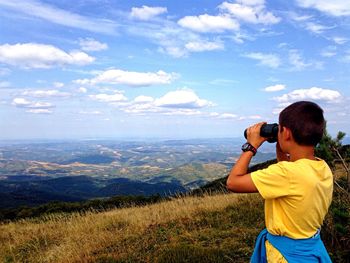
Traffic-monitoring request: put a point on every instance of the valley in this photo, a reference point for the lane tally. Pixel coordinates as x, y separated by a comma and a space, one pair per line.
33, 173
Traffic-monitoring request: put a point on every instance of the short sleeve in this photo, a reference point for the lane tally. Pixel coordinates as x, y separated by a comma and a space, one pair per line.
272, 182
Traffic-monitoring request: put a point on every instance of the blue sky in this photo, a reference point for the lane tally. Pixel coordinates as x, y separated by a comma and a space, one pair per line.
168, 69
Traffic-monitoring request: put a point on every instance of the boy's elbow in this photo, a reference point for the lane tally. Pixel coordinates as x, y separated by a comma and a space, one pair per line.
230, 186
232, 182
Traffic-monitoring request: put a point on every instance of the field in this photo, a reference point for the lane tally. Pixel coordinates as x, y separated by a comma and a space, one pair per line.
207, 228
220, 228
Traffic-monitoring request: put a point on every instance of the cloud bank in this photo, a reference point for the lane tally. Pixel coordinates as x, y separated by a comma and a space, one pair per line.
32, 55
130, 78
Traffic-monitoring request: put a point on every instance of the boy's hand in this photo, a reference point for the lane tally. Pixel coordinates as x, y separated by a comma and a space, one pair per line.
253, 135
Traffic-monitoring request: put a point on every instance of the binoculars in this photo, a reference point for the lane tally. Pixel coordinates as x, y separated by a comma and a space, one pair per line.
268, 131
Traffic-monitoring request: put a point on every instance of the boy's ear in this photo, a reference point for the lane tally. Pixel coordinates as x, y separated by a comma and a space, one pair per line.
287, 134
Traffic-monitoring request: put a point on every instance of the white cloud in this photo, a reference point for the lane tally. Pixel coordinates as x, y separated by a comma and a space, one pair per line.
270, 60
59, 16
214, 114
82, 90
340, 40
227, 116
25, 103
174, 51
172, 39
240, 37
147, 12
179, 102
39, 111
296, 60
130, 78
251, 117
183, 98
5, 84
299, 18
204, 46
313, 93
329, 51
277, 111
316, 28
41, 105
298, 63
95, 112
183, 112
333, 7
232, 116
45, 93
58, 84
252, 2
21, 102
109, 98
32, 55
250, 12
90, 44
141, 108
207, 23
143, 99
277, 87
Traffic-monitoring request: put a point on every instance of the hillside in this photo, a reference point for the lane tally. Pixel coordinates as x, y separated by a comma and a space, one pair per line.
219, 185
219, 228
78, 188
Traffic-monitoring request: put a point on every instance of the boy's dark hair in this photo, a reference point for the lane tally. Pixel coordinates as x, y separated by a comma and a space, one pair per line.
305, 120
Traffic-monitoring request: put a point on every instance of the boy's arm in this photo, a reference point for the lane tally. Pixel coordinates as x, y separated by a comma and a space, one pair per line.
238, 180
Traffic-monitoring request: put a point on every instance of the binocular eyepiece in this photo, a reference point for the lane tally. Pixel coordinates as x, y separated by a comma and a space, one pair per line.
268, 131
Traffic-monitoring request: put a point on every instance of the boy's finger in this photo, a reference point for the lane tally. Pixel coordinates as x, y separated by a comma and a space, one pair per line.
258, 125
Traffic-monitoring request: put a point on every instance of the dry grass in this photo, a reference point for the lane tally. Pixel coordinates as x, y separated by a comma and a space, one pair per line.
116, 235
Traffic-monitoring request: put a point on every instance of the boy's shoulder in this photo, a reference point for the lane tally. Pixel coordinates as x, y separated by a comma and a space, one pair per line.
305, 163
299, 167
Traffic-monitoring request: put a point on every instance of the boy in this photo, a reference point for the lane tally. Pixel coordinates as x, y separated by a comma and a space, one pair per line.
297, 189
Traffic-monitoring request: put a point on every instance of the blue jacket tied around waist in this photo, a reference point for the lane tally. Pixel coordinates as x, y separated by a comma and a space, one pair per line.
293, 250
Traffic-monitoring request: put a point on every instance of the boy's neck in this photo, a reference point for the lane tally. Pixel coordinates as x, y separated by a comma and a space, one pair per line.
302, 152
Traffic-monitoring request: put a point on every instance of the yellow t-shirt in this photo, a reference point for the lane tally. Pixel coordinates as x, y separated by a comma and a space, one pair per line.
273, 255
297, 196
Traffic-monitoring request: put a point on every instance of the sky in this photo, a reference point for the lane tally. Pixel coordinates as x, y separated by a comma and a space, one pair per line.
168, 69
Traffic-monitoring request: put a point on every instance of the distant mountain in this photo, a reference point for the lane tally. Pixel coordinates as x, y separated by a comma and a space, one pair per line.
124, 186
77, 188
33, 173
219, 185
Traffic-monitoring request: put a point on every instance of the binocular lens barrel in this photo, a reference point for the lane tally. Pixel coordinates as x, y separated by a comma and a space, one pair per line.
269, 131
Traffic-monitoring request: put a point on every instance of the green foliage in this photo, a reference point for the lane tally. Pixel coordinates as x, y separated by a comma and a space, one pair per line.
327, 147
336, 229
